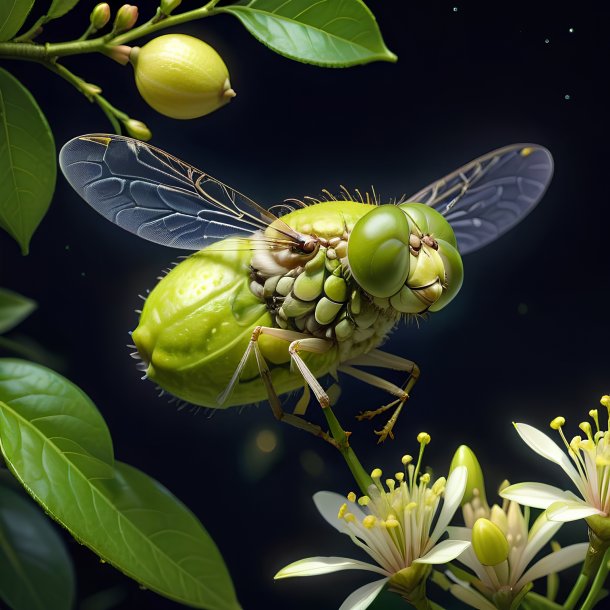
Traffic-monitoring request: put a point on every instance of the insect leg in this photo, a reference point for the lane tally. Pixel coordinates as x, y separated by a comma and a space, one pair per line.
387, 361
315, 346
265, 373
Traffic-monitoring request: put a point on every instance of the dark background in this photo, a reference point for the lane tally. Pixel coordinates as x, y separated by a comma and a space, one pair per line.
526, 340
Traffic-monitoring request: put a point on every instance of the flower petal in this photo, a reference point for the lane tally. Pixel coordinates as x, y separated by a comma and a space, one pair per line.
539, 535
452, 498
313, 566
469, 559
444, 551
457, 532
329, 503
471, 597
554, 562
538, 495
364, 596
549, 449
571, 510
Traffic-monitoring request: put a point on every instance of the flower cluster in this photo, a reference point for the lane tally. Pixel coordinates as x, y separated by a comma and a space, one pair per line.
398, 525
503, 546
587, 464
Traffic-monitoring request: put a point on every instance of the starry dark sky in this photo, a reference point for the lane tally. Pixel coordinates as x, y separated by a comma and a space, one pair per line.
526, 339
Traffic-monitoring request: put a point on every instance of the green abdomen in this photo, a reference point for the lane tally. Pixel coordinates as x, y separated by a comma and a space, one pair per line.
196, 324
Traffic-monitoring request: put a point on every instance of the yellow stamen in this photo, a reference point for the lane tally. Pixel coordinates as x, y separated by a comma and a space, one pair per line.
439, 486
424, 438
349, 518
425, 478
342, 511
391, 483
351, 496
369, 521
364, 501
376, 474
588, 445
558, 422
400, 476
411, 505
406, 459
605, 401
593, 416
390, 523
585, 426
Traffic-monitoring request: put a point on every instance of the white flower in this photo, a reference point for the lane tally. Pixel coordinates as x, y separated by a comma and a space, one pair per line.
396, 527
588, 467
505, 537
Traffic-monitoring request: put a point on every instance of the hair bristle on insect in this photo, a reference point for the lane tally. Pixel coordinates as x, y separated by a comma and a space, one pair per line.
344, 194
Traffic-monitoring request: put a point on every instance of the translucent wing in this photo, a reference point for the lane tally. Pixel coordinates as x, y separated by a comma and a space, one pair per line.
155, 195
485, 198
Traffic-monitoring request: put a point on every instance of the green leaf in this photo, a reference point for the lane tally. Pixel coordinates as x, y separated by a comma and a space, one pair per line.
163, 546
12, 15
43, 410
28, 165
128, 519
35, 570
60, 7
14, 308
332, 33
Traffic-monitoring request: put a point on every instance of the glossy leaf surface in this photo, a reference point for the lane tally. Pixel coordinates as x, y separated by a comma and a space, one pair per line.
59, 8
332, 33
12, 15
56, 443
28, 165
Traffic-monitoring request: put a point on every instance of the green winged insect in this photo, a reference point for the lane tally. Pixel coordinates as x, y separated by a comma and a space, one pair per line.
278, 301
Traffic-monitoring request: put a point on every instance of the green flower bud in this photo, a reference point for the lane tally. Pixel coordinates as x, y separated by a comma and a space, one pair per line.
489, 543
168, 6
181, 77
137, 129
126, 18
100, 15
464, 456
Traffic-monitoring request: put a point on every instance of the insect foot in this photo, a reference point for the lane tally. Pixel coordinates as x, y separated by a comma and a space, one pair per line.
181, 77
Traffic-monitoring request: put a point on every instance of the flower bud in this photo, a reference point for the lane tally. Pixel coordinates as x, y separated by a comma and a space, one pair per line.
464, 456
137, 129
120, 53
90, 90
181, 77
100, 15
168, 6
489, 543
126, 18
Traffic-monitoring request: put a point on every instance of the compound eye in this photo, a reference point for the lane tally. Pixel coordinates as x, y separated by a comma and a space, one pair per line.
378, 251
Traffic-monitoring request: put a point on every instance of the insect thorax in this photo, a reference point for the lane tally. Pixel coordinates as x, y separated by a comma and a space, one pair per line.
319, 298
